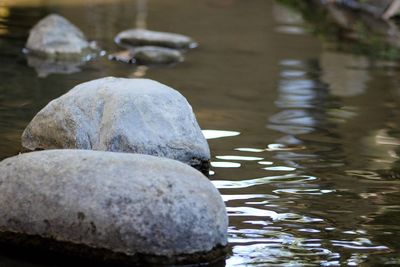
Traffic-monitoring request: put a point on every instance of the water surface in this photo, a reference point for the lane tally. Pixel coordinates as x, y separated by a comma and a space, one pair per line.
304, 139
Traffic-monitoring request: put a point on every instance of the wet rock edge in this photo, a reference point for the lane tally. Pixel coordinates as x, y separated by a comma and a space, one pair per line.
201, 165
38, 247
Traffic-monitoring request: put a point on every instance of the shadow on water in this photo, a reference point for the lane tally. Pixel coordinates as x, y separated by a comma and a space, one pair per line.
305, 137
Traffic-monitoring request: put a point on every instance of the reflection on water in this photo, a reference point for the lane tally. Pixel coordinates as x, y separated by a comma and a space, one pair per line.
211, 134
305, 140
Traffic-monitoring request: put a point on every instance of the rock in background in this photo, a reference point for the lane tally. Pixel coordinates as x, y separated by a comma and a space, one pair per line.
56, 37
55, 45
149, 55
147, 47
142, 37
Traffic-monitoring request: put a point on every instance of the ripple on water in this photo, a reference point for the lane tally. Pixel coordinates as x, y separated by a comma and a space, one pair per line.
292, 73
291, 129
279, 168
227, 198
291, 30
243, 158
268, 234
302, 191
287, 178
293, 117
252, 212
249, 149
265, 162
225, 164
298, 87
287, 155
358, 244
278, 253
213, 134
283, 147
365, 174
291, 63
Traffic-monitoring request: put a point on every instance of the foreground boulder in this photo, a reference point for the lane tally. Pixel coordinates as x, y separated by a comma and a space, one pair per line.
55, 37
116, 206
142, 37
121, 115
149, 55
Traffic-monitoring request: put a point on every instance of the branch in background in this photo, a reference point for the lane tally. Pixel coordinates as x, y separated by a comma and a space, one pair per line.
392, 10
384, 9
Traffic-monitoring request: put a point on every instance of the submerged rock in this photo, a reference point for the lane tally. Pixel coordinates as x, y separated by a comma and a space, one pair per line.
115, 206
141, 37
56, 37
122, 115
149, 55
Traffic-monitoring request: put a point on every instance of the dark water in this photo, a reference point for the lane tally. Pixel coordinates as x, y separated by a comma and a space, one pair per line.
305, 140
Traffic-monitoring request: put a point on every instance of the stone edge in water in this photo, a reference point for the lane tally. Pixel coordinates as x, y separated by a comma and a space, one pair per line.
165, 41
28, 246
198, 163
35, 246
201, 165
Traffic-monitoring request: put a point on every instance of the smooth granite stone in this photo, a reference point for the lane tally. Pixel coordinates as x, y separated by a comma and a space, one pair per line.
55, 37
149, 55
142, 37
121, 115
129, 207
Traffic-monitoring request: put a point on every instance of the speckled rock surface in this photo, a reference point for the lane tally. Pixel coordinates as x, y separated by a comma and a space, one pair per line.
56, 37
141, 37
149, 55
121, 115
123, 203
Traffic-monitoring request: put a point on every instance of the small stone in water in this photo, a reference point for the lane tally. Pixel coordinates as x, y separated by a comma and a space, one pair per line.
141, 37
148, 55
56, 37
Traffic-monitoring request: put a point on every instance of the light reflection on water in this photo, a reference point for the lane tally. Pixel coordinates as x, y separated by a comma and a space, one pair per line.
308, 118
304, 155
212, 134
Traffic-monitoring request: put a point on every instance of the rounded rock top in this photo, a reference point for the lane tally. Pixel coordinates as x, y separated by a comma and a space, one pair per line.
142, 37
130, 207
121, 115
54, 36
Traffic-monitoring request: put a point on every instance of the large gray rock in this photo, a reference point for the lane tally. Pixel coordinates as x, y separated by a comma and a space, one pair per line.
142, 37
127, 206
56, 37
122, 115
